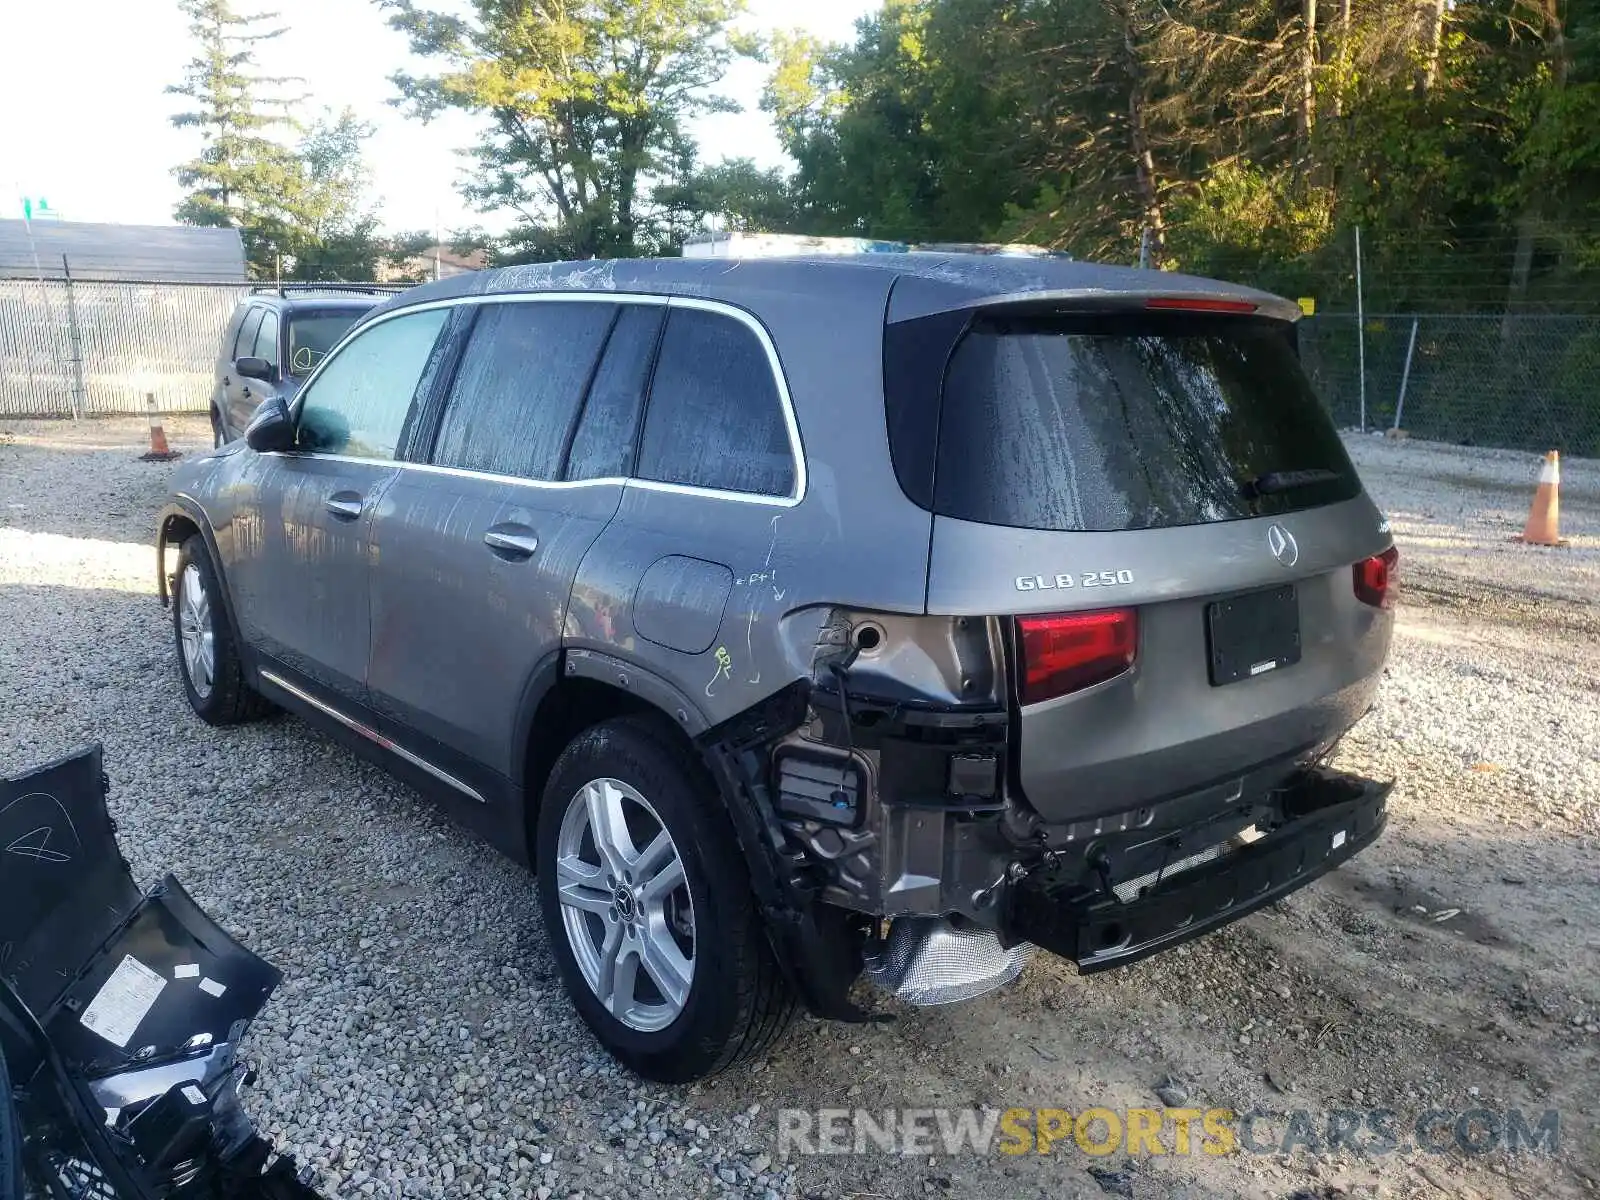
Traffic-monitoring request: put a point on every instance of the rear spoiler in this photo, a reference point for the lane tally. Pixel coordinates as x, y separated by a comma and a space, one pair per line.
1104, 289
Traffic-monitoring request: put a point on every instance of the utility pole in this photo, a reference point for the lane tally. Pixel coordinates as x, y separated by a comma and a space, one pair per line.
44, 292
438, 236
78, 403
1361, 332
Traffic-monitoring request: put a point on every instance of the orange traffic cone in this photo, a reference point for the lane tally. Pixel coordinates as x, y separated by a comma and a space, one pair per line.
1544, 518
159, 450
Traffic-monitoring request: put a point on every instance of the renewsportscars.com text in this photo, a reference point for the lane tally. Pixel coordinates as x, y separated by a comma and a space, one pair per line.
1148, 1132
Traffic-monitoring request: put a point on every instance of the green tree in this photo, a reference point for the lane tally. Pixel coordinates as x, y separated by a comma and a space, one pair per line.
734, 194
408, 257
301, 208
1237, 137
586, 103
241, 172
331, 226
892, 135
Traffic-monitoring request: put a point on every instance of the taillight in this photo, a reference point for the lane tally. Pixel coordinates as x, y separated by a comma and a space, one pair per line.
1377, 578
1065, 653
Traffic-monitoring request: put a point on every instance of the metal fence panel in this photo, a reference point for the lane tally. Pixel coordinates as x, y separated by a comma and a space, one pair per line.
115, 343
1519, 382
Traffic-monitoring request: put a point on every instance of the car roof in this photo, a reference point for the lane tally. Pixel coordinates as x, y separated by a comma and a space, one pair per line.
291, 297
921, 283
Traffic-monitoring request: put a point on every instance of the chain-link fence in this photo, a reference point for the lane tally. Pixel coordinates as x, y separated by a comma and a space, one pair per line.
102, 347
1528, 382
1518, 382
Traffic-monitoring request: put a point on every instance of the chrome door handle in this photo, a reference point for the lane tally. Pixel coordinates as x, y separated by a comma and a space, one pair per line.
344, 508
509, 544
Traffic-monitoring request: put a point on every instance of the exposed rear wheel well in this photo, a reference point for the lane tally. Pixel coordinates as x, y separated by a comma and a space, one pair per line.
570, 707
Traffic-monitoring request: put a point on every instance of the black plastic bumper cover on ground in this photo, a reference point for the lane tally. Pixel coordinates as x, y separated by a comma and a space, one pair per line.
1329, 817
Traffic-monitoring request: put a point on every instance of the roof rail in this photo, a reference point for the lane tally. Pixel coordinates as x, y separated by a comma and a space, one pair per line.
371, 289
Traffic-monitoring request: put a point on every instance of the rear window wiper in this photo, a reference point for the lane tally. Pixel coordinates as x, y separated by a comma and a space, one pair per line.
1288, 481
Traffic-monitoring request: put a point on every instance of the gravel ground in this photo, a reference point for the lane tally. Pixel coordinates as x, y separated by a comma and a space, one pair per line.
421, 1045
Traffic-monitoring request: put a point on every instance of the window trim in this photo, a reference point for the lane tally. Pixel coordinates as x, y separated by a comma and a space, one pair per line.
277, 338
785, 402
253, 310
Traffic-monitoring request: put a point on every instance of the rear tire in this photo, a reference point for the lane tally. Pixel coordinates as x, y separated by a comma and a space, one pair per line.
656, 806
208, 658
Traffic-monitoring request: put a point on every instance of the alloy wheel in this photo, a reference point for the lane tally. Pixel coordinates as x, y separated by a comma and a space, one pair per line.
197, 637
627, 912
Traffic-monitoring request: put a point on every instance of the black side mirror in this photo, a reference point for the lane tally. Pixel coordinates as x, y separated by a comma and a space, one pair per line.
271, 428
255, 368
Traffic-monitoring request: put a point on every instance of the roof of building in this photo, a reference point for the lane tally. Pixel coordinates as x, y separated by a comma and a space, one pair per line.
165, 253
921, 283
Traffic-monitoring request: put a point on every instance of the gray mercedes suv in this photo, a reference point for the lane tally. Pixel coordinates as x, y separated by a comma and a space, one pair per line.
805, 621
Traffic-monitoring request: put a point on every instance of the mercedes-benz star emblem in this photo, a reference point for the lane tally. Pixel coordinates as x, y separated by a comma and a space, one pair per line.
1283, 546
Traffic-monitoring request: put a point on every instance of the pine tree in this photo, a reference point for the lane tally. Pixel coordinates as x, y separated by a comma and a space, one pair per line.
242, 175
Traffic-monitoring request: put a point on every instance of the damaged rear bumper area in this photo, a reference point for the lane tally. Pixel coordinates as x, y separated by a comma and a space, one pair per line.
120, 1015
887, 835
1325, 817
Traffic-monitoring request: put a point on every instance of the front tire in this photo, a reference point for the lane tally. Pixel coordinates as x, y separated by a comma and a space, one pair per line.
218, 437
647, 905
208, 659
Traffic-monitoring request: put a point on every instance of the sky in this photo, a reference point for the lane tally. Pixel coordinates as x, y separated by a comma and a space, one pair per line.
84, 120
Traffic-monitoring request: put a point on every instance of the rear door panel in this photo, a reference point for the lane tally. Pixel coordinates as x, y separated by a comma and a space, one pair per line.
474, 554
457, 628
250, 393
235, 409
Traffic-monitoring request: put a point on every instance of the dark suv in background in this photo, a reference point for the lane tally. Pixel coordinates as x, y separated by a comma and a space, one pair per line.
805, 619
275, 339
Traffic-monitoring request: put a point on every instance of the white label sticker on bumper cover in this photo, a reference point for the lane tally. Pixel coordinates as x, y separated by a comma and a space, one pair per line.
211, 987
1338, 839
123, 1001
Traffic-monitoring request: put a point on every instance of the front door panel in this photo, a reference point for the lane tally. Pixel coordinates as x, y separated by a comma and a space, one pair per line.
299, 576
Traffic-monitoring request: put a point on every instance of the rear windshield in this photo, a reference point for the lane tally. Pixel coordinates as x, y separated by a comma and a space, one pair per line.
1125, 422
313, 333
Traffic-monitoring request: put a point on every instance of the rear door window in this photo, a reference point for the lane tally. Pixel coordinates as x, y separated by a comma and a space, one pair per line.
715, 419
603, 445
1131, 422
518, 390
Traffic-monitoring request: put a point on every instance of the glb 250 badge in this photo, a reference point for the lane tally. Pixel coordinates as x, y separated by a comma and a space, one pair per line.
1088, 579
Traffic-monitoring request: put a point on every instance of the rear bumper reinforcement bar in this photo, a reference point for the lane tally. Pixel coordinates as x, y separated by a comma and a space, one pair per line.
1328, 816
